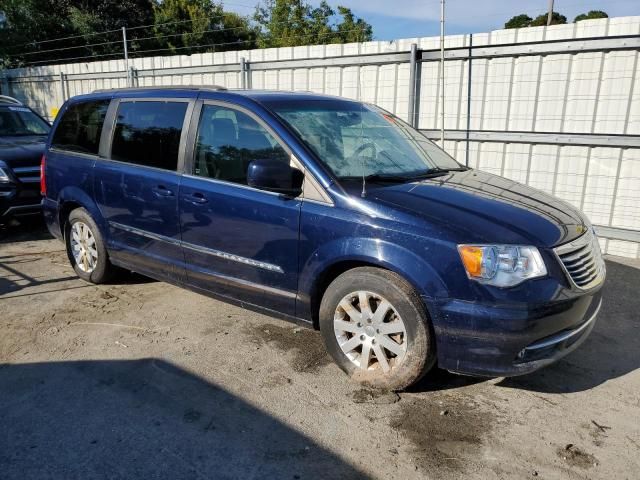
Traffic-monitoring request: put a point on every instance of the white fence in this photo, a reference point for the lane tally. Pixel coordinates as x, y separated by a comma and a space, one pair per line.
555, 107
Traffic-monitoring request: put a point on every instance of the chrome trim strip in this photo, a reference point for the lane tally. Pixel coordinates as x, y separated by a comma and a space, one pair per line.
26, 169
145, 233
587, 239
232, 257
233, 184
89, 156
29, 179
247, 284
199, 249
561, 337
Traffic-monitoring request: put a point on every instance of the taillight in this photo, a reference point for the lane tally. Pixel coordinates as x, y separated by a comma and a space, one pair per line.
43, 181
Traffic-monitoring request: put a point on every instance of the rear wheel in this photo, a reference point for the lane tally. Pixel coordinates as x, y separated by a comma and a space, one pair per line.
376, 328
85, 248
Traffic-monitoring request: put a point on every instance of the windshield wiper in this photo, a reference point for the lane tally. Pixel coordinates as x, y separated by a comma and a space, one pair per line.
395, 178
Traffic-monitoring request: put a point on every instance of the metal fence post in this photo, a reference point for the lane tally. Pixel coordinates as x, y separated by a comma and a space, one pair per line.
466, 161
413, 77
243, 73
63, 89
132, 77
5, 90
126, 55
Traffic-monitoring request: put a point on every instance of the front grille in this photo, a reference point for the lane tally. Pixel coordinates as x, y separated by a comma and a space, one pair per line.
582, 261
27, 174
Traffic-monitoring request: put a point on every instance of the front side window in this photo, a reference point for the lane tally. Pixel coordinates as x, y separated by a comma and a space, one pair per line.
148, 133
21, 121
228, 140
80, 127
355, 139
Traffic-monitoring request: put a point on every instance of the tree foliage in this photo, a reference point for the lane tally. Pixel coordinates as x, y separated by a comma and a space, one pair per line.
200, 25
519, 21
523, 20
34, 32
591, 15
286, 23
541, 20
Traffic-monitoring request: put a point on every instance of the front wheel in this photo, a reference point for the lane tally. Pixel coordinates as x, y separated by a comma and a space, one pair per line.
85, 248
376, 328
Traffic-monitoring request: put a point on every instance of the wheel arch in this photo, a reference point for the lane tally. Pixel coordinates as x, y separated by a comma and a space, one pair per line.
315, 278
71, 198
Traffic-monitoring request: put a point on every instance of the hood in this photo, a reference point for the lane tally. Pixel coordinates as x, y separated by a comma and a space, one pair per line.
478, 207
22, 151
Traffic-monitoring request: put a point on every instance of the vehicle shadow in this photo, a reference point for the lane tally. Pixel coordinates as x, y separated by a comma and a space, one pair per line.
144, 419
610, 351
26, 229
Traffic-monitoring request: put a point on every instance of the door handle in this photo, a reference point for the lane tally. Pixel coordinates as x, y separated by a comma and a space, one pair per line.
162, 191
196, 198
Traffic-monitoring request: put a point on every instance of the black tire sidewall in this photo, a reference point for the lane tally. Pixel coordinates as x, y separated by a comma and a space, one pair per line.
103, 270
420, 353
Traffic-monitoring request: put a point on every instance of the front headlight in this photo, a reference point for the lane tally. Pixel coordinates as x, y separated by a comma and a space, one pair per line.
4, 176
501, 265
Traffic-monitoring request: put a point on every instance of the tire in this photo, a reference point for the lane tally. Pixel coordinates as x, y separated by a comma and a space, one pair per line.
81, 232
348, 336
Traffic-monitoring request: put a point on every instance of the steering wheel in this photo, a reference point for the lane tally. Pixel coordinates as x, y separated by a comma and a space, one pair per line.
369, 145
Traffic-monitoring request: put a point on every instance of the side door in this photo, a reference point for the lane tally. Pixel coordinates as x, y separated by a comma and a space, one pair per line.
238, 241
137, 183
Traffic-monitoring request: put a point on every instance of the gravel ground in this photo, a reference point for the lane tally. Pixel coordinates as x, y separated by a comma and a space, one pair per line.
140, 379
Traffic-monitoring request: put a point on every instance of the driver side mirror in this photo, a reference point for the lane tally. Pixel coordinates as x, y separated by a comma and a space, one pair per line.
275, 176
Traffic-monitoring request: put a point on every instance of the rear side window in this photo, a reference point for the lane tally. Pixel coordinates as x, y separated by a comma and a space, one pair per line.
148, 133
80, 127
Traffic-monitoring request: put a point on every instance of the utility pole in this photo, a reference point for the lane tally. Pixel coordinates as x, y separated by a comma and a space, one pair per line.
442, 73
126, 55
550, 14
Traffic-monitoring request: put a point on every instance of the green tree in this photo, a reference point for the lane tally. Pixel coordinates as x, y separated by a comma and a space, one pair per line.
35, 30
519, 21
556, 19
592, 14
200, 25
286, 23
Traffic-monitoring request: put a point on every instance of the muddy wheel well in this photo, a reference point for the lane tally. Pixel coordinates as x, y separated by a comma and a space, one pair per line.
325, 279
65, 211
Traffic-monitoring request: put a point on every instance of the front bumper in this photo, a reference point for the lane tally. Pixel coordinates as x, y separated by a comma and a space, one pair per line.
476, 339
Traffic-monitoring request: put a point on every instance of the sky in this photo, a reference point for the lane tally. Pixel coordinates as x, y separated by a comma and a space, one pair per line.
393, 19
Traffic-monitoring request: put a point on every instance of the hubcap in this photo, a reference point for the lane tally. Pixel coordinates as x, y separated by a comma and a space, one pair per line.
83, 247
370, 331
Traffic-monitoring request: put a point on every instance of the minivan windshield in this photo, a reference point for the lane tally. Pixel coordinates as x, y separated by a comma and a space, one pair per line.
21, 121
356, 140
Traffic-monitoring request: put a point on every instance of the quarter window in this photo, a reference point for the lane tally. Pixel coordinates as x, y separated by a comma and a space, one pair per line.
228, 140
80, 127
148, 133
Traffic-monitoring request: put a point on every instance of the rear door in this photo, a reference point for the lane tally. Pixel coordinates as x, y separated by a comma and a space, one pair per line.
137, 183
238, 241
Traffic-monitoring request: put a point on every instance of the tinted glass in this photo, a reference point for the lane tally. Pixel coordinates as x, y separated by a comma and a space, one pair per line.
148, 133
355, 139
228, 140
80, 127
17, 121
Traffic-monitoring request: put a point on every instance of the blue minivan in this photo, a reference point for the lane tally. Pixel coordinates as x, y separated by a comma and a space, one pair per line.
326, 211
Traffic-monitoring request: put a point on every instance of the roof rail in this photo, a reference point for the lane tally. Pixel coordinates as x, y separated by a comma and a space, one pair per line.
8, 99
164, 87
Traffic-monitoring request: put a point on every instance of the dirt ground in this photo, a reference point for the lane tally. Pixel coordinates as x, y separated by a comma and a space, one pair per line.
141, 379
